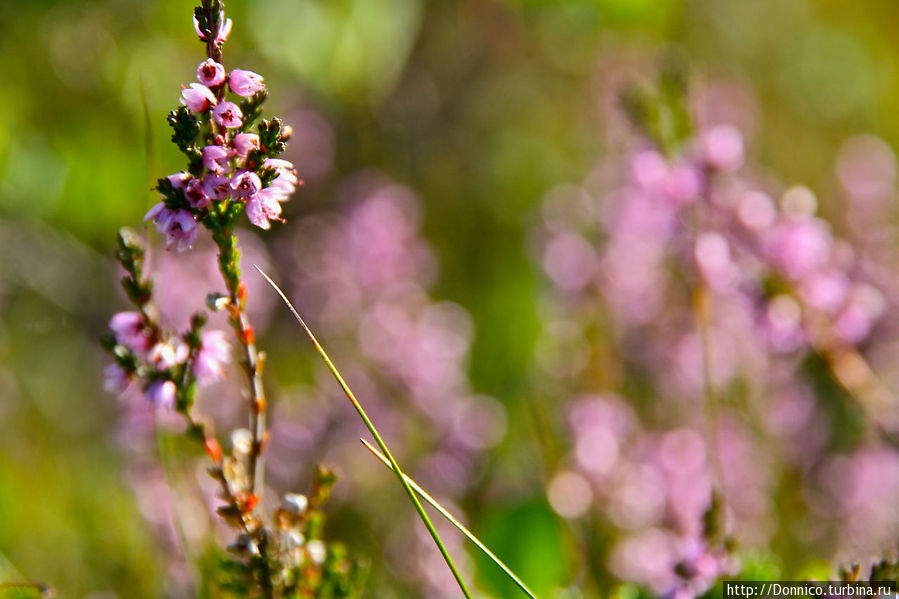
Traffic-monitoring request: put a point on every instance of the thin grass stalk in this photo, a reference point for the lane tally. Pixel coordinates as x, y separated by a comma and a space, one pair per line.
374, 433
459, 526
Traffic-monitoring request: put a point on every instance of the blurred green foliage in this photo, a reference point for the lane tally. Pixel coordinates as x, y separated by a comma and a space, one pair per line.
479, 106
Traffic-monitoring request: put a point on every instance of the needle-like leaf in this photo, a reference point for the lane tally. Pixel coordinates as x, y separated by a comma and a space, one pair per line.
374, 433
453, 521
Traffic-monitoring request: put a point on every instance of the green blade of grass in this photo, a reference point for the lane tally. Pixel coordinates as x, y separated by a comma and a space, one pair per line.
453, 521
374, 433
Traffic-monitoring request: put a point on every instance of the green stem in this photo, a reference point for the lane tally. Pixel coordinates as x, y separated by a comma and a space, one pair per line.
374, 433
453, 521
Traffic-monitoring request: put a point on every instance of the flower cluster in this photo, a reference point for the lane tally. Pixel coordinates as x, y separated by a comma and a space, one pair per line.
230, 171
231, 168
684, 276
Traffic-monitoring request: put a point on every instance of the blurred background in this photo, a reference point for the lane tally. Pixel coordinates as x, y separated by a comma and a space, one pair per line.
435, 139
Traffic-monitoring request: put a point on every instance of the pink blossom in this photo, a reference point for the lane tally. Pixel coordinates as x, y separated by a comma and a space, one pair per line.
167, 355
196, 194
799, 246
161, 394
722, 148
178, 226
198, 98
131, 331
244, 142
245, 83
115, 379
179, 180
217, 187
263, 207
216, 159
682, 185
245, 184
214, 352
222, 32
210, 73
227, 114
286, 182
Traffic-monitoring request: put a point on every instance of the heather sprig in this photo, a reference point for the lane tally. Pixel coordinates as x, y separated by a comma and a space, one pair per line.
230, 171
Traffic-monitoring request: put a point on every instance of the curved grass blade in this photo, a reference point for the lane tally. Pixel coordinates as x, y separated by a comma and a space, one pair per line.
374, 433
454, 522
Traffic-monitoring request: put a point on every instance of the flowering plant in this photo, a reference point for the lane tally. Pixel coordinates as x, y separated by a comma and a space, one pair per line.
232, 170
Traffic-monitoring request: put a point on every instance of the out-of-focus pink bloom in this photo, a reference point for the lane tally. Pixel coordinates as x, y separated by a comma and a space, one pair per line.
245, 184
263, 207
178, 226
825, 291
866, 167
722, 148
683, 184
222, 31
115, 379
210, 73
245, 83
782, 324
161, 394
214, 352
649, 170
198, 98
196, 194
713, 259
131, 331
865, 305
756, 211
799, 246
570, 261
217, 187
227, 114
216, 158
166, 355
244, 142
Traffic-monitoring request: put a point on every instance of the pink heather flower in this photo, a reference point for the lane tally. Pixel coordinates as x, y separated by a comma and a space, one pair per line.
799, 246
217, 187
722, 148
224, 29
161, 394
115, 379
216, 158
130, 330
245, 184
179, 180
263, 207
178, 226
210, 73
244, 142
197, 98
167, 355
227, 114
286, 182
245, 83
196, 194
682, 185
214, 352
